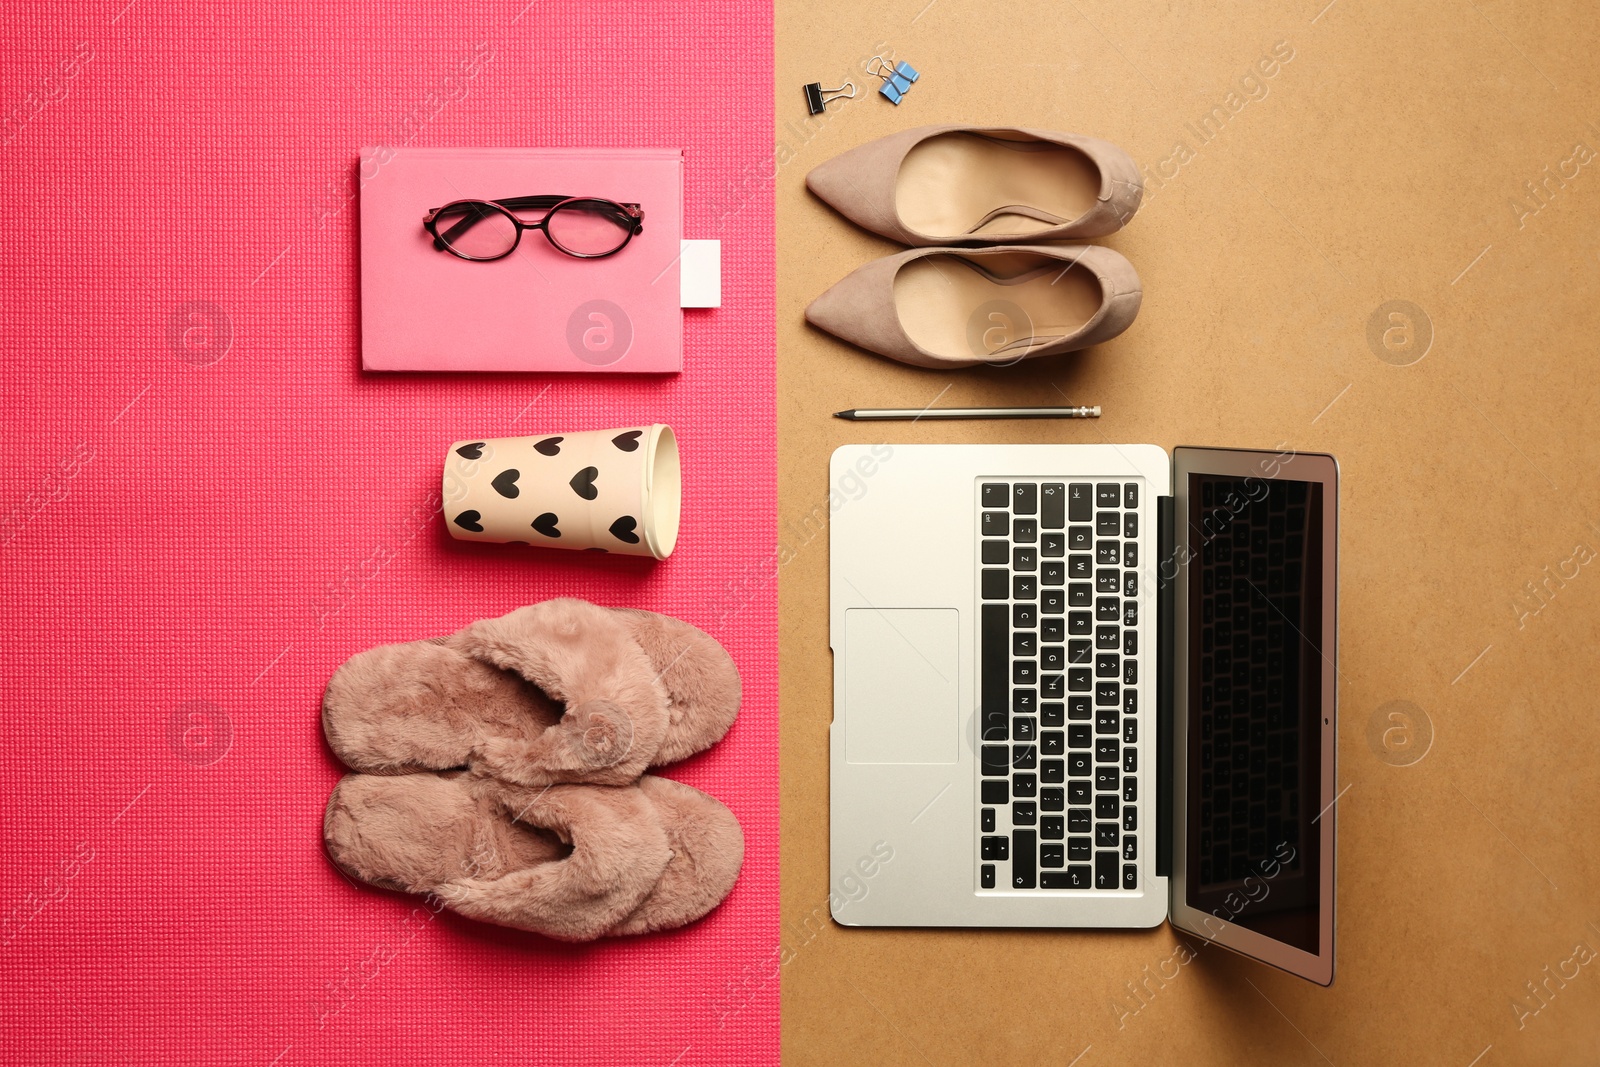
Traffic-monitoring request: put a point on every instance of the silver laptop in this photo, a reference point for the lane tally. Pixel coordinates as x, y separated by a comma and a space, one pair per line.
1086, 686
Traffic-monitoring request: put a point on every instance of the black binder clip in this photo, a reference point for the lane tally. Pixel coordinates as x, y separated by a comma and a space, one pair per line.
818, 98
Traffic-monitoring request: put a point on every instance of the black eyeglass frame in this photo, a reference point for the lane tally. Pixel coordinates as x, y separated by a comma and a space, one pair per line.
631, 216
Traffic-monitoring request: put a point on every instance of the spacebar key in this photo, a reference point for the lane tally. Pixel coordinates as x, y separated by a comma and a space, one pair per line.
1024, 858
995, 668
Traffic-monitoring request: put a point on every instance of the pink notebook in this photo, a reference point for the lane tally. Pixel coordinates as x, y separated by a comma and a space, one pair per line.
537, 309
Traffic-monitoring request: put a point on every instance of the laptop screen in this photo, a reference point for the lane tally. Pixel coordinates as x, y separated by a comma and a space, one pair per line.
1255, 718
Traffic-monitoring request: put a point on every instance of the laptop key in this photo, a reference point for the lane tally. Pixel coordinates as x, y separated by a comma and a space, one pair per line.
1053, 505
1105, 719
996, 759
1024, 498
995, 552
1130, 876
1080, 538
1079, 877
1051, 771
1079, 848
1052, 855
1024, 858
1106, 524
1052, 545
1080, 502
994, 583
996, 792
996, 848
995, 524
1052, 713
1078, 821
1051, 828
1053, 659
1023, 587
1053, 631
1105, 806
1052, 800
1023, 785
1024, 559
1053, 573
1130, 494
1130, 525
1107, 494
1078, 793
1130, 818
1024, 531
1106, 835
1080, 594
1024, 813
1022, 728
1106, 875
986, 878
996, 495
1023, 616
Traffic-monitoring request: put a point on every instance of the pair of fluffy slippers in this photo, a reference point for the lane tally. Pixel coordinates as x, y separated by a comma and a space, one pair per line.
501, 769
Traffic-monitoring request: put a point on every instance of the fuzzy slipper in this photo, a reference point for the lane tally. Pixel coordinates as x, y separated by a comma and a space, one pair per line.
572, 862
563, 691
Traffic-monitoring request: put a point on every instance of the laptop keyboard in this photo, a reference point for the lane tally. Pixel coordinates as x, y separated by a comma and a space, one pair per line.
1060, 674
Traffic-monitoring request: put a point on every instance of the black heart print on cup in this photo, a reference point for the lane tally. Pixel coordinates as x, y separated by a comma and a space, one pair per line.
583, 483
472, 451
550, 446
505, 483
628, 442
623, 529
546, 524
468, 520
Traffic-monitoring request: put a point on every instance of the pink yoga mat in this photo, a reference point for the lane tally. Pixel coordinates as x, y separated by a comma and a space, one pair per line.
205, 507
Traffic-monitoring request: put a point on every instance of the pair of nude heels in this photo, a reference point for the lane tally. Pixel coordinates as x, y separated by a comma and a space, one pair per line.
979, 288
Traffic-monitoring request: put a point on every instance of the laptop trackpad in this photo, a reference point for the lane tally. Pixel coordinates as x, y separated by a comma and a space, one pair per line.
900, 685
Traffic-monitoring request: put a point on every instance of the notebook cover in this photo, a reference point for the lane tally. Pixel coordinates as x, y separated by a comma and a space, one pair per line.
538, 309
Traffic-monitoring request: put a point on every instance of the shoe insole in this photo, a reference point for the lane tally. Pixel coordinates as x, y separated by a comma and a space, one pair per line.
1000, 306
949, 184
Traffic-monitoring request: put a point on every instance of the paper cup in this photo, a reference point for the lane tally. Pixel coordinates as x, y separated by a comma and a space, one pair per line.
615, 490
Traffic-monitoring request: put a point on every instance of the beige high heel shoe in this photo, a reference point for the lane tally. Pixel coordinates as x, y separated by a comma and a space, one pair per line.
960, 307
958, 185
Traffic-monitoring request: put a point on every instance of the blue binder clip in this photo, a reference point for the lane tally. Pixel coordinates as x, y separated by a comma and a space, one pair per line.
896, 79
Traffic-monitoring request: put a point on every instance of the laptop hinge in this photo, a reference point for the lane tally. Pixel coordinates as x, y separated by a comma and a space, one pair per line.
1167, 579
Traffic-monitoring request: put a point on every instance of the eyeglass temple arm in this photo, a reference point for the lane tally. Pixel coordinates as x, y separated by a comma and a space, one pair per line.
633, 220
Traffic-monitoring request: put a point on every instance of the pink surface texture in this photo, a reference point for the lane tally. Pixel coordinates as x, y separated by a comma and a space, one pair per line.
206, 506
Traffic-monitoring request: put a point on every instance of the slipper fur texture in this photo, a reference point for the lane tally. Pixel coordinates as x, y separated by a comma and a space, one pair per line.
561, 691
573, 862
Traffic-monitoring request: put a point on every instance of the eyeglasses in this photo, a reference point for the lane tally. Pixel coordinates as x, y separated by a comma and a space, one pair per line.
584, 227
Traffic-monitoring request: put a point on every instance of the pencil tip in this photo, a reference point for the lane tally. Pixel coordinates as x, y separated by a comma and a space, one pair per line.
850, 414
